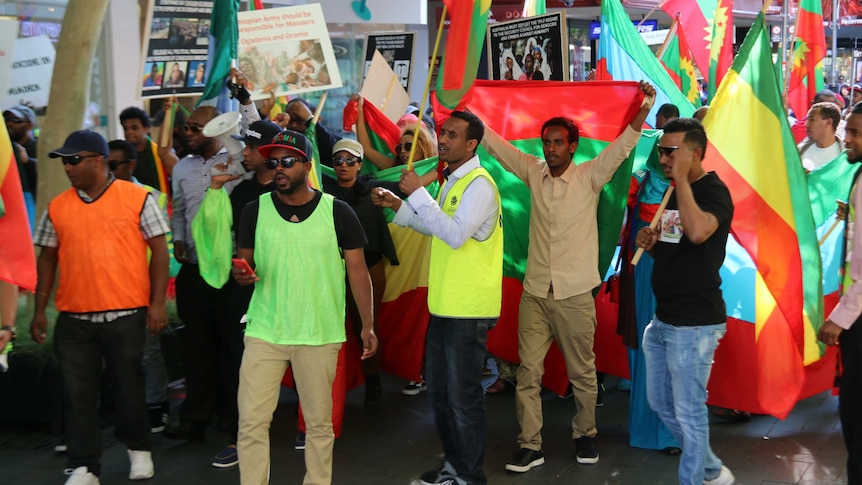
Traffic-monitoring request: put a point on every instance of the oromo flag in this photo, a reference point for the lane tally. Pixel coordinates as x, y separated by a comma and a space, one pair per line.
679, 64
752, 150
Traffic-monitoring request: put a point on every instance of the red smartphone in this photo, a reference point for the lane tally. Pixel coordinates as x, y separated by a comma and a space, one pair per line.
242, 264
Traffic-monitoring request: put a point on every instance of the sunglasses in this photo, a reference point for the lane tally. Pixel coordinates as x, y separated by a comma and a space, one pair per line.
115, 164
193, 128
76, 159
349, 161
404, 146
286, 162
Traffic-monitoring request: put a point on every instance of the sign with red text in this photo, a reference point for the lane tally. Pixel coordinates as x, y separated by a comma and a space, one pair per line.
286, 51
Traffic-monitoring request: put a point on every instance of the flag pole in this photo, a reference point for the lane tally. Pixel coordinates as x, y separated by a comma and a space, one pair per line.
656, 7
654, 223
671, 31
319, 109
427, 90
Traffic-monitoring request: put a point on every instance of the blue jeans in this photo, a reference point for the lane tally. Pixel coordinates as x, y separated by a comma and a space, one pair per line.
678, 362
455, 350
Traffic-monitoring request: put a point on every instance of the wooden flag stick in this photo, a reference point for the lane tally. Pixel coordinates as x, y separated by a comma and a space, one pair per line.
427, 90
670, 32
319, 108
654, 223
840, 215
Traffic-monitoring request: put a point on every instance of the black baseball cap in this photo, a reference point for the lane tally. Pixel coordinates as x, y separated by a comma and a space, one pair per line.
259, 133
80, 142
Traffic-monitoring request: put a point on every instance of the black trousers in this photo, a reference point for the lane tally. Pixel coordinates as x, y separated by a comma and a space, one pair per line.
850, 400
83, 349
212, 348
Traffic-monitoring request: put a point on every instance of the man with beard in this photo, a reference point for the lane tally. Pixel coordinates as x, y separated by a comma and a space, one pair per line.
843, 327
562, 271
211, 338
296, 314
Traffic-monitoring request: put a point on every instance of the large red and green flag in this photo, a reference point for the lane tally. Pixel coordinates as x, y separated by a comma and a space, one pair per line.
721, 46
468, 20
624, 56
752, 150
17, 257
679, 64
533, 8
698, 16
222, 50
806, 75
383, 133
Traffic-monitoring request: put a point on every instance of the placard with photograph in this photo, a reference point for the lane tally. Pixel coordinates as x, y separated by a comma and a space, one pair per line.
396, 49
176, 42
286, 50
533, 48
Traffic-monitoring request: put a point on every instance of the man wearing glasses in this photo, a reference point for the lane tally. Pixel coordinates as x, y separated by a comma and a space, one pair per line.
210, 335
97, 233
307, 239
562, 271
690, 317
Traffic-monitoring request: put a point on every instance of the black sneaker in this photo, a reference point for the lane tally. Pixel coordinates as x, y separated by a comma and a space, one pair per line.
525, 459
600, 400
587, 454
158, 417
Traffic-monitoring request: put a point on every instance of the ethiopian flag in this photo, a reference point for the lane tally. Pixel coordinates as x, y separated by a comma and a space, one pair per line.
623, 56
468, 20
17, 257
752, 150
806, 75
679, 64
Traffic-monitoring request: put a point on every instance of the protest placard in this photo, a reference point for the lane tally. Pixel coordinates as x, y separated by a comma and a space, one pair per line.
396, 49
31, 73
175, 48
286, 51
533, 48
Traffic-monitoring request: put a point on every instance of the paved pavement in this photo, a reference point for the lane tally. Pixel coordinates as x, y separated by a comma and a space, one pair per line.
394, 443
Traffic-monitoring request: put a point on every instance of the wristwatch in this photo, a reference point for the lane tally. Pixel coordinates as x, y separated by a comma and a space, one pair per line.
11, 330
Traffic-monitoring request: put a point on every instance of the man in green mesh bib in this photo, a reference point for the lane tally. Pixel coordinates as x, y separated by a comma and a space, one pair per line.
296, 314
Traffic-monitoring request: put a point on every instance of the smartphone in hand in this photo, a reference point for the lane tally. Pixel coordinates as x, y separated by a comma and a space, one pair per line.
241, 264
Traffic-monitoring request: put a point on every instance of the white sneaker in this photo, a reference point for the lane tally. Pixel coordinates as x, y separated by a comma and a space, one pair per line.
725, 477
142, 465
81, 476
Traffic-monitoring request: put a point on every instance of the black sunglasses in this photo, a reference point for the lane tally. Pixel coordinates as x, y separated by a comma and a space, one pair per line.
667, 151
76, 159
349, 161
286, 162
115, 164
193, 128
405, 146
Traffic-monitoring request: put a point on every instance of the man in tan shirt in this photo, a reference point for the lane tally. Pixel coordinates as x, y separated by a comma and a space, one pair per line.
562, 271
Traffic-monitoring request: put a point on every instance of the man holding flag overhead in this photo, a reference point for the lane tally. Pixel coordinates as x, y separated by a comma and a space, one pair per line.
562, 271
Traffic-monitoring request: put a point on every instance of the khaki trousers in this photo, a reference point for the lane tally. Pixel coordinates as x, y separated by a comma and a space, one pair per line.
572, 323
263, 366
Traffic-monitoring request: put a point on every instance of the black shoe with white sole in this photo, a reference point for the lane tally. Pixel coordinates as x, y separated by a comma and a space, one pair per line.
525, 459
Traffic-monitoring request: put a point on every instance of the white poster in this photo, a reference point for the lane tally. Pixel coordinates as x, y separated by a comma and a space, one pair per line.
8, 33
287, 51
30, 76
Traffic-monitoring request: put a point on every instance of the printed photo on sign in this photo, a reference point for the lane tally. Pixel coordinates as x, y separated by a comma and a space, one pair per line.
184, 32
160, 28
529, 49
153, 77
397, 51
175, 77
285, 66
203, 32
197, 74
671, 227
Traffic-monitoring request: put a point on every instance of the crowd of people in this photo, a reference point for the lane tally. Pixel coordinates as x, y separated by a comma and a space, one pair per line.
103, 244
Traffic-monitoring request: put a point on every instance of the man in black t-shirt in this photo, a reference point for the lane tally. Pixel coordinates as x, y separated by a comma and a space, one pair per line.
688, 247
310, 244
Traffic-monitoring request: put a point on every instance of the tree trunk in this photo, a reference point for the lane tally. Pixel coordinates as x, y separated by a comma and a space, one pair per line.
70, 87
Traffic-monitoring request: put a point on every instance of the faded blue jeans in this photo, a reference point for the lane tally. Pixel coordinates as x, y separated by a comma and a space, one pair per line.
678, 362
455, 351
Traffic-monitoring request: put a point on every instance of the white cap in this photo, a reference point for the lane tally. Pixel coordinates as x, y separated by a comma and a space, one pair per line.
352, 147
